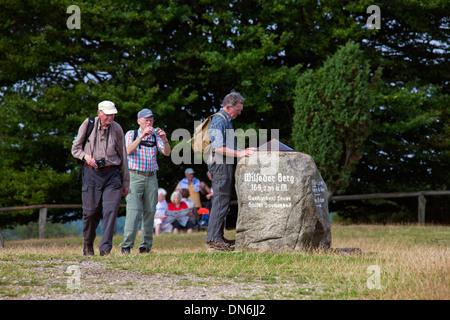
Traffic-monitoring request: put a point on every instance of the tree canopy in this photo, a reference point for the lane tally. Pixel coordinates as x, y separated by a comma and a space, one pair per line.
181, 58
332, 114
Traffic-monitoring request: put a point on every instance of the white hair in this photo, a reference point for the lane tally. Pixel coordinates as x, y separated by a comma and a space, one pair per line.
174, 194
161, 191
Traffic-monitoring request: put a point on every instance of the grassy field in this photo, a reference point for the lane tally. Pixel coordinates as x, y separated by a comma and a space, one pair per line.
397, 262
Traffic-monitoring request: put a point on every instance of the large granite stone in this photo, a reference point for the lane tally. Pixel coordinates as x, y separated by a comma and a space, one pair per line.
282, 202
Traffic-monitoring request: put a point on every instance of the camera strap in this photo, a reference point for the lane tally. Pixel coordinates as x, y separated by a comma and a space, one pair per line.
95, 139
145, 143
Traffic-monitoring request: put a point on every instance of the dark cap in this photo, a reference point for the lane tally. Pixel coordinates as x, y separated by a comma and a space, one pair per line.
145, 113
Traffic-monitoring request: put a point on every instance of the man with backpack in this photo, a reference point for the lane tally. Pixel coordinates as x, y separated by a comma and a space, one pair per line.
221, 166
142, 147
100, 146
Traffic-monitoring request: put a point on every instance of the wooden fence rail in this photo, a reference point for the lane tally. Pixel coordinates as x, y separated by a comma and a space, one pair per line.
421, 203
43, 213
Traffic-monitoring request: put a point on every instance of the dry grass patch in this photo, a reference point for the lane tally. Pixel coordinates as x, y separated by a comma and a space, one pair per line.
413, 263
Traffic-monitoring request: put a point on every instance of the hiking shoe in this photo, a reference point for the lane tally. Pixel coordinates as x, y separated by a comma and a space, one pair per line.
104, 253
126, 250
88, 250
144, 250
219, 245
231, 242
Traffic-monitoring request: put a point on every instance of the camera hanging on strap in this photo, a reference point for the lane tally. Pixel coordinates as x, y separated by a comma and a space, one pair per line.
145, 143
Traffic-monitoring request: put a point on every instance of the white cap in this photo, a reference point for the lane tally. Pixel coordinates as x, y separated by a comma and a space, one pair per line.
107, 107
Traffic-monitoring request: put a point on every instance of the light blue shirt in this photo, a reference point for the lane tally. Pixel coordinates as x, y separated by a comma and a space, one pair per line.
184, 184
221, 132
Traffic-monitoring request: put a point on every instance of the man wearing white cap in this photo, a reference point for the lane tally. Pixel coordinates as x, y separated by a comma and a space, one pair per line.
143, 146
105, 175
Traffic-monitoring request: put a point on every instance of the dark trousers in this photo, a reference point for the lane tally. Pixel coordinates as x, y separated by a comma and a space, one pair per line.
101, 194
222, 179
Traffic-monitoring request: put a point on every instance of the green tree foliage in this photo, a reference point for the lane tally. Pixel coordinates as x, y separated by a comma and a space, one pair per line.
180, 58
413, 42
332, 114
177, 58
408, 146
407, 150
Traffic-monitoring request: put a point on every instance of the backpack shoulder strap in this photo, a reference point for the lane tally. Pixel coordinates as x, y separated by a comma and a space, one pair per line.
89, 129
135, 134
215, 114
207, 120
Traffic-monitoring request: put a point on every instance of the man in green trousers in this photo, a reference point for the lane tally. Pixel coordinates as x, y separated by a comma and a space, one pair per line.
142, 147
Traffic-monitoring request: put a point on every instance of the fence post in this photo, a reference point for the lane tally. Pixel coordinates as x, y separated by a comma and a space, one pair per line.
42, 222
421, 202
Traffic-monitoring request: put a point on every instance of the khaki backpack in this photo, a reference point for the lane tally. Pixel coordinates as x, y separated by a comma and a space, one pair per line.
201, 141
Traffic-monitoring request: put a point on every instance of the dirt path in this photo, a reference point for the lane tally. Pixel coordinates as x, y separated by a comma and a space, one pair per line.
58, 281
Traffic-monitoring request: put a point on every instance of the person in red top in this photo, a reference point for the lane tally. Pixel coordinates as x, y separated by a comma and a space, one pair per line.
177, 204
180, 221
